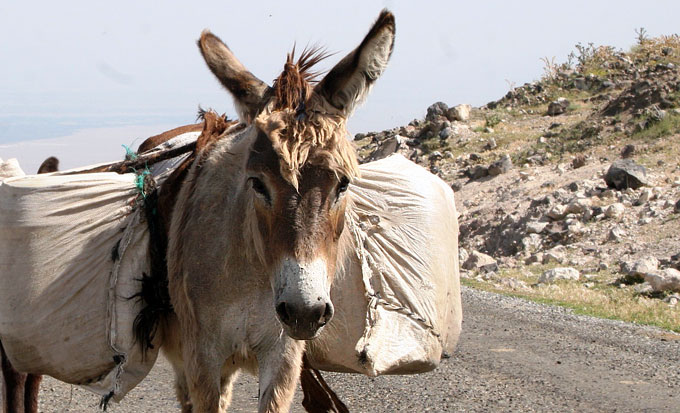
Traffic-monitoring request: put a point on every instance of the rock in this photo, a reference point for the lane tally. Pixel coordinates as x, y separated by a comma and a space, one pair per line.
536, 258
676, 208
501, 166
489, 276
525, 176
635, 271
477, 172
664, 280
480, 261
644, 288
645, 195
560, 273
491, 144
435, 156
462, 255
436, 110
552, 256
580, 83
616, 234
615, 211
445, 133
535, 227
558, 107
387, 148
459, 112
578, 206
531, 242
627, 151
576, 228
672, 300
625, 173
359, 136
578, 161
557, 212
514, 283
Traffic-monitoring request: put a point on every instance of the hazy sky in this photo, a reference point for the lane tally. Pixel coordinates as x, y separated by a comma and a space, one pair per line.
70, 65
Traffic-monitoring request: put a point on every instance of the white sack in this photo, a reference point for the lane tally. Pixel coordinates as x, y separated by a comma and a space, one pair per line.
10, 168
397, 299
64, 307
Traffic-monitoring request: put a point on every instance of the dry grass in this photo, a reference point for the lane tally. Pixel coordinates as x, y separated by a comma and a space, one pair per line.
598, 297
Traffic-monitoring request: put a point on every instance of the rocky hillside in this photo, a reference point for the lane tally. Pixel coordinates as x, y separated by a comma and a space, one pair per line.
574, 176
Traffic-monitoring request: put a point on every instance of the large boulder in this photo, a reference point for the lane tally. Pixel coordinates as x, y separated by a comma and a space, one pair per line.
459, 112
436, 110
480, 261
664, 280
625, 173
635, 271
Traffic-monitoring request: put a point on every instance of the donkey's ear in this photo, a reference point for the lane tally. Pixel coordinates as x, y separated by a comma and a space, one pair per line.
248, 91
348, 83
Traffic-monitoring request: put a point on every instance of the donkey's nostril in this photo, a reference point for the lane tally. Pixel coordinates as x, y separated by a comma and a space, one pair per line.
282, 311
328, 314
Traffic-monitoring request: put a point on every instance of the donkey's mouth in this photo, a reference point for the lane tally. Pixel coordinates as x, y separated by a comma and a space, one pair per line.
304, 323
303, 334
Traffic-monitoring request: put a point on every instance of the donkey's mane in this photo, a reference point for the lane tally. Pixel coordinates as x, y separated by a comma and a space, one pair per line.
301, 132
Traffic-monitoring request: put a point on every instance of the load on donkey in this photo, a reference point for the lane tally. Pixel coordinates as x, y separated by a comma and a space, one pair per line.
264, 247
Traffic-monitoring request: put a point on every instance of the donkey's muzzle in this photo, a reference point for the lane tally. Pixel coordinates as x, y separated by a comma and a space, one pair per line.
304, 321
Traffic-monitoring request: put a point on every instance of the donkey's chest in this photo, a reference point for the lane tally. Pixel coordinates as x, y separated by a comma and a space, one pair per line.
249, 322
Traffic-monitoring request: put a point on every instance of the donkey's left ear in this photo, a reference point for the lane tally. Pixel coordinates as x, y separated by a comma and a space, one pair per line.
248, 91
348, 83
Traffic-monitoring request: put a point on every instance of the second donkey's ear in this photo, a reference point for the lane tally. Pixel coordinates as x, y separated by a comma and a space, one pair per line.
248, 91
348, 83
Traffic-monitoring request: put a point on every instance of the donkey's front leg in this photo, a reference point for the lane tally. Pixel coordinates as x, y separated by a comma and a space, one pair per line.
202, 370
279, 370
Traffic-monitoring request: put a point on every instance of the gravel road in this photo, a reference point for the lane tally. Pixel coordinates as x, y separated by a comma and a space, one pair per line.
513, 356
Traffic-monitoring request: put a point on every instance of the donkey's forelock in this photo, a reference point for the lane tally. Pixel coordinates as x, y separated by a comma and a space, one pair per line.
319, 139
299, 131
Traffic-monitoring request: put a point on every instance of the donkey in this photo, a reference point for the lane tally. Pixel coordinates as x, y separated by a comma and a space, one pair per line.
254, 234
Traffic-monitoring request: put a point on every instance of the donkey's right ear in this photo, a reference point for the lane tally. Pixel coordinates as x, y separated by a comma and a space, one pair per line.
248, 91
348, 83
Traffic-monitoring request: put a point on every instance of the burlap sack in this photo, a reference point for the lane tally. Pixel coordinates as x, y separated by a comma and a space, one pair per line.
72, 248
397, 298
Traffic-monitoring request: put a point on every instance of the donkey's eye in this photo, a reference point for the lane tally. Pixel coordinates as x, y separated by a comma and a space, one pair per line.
342, 186
260, 188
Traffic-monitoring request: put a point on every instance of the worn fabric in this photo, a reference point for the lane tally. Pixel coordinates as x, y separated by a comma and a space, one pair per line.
10, 168
397, 297
72, 248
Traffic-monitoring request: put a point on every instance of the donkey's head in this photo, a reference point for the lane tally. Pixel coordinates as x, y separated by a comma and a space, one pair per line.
299, 166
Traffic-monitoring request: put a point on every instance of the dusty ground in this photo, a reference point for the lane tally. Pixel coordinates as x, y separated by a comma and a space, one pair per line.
513, 355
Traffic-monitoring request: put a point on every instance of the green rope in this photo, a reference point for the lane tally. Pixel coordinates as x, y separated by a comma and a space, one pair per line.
130, 155
139, 180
